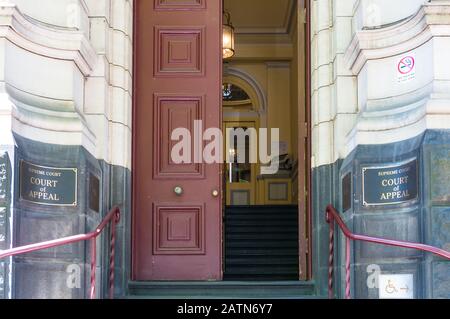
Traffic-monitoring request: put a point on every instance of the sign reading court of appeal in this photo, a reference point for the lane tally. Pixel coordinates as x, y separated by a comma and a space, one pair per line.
48, 185
390, 184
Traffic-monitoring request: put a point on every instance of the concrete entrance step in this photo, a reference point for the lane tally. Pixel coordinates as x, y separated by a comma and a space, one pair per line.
222, 290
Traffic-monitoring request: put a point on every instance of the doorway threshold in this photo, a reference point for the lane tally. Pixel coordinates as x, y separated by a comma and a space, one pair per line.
221, 290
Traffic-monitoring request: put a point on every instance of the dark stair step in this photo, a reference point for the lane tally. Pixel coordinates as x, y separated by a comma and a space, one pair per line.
263, 236
254, 215
259, 278
262, 270
273, 217
236, 252
262, 217
269, 210
262, 207
272, 271
271, 223
261, 244
262, 260
238, 229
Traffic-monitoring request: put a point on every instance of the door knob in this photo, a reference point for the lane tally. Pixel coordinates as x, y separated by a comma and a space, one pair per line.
178, 190
215, 193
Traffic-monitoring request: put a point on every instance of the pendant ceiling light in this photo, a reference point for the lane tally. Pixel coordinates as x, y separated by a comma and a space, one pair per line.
228, 36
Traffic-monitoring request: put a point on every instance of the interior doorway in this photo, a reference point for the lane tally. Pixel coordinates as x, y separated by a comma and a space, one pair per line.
264, 85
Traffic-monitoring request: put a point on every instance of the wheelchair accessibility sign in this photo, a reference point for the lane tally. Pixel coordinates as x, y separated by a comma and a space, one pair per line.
406, 68
396, 286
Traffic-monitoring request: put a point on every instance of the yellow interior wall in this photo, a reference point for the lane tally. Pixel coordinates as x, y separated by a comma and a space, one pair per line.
279, 70
279, 100
274, 79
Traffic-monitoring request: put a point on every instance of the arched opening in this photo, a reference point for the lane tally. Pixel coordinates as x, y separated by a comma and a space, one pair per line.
241, 108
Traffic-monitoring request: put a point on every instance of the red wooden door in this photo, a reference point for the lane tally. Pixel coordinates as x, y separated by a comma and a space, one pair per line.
177, 67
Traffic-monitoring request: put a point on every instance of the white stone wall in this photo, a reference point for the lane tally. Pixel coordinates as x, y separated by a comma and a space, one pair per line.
378, 13
108, 99
334, 87
358, 96
62, 13
66, 74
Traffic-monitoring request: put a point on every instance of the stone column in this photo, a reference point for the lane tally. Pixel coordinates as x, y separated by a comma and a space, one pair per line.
41, 123
403, 122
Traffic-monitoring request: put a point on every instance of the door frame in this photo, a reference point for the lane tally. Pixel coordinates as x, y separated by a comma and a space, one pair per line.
308, 142
133, 147
307, 213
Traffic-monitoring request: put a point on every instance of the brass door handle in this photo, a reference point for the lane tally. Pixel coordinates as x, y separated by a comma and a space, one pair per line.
215, 193
178, 190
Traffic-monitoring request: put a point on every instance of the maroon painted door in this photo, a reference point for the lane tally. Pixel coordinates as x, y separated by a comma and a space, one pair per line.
176, 207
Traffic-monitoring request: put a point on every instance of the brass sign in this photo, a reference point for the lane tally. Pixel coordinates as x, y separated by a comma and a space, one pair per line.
390, 184
48, 185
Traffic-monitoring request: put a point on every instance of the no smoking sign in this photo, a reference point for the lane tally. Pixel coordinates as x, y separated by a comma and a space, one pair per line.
406, 68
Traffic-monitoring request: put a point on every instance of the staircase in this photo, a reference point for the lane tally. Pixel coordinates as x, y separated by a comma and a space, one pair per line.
261, 243
261, 261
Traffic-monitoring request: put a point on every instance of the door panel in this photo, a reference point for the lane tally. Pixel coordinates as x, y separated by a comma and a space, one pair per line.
176, 219
172, 112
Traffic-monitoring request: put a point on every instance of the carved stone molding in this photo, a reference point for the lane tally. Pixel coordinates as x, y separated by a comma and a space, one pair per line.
44, 73
432, 20
56, 43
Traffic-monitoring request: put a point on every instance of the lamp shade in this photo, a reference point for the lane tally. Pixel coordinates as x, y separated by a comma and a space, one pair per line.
228, 40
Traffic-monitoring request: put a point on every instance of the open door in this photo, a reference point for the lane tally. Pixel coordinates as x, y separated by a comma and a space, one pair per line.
177, 217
